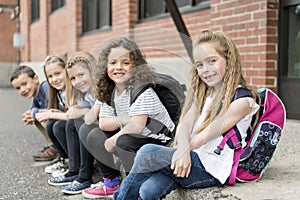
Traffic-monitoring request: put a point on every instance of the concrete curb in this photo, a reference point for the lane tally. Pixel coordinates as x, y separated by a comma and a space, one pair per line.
281, 180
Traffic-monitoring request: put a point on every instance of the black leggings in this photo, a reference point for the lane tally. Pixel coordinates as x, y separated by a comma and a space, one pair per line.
126, 148
87, 160
56, 132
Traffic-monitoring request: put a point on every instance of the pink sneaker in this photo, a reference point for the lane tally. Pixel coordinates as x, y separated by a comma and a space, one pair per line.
103, 191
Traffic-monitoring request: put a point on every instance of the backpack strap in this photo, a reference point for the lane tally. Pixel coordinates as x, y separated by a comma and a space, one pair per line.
240, 93
233, 138
153, 125
236, 159
138, 90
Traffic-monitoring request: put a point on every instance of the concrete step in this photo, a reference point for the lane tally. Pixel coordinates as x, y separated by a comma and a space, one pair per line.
281, 180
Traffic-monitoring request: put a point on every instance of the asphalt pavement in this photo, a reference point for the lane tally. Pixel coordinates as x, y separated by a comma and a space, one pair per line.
23, 178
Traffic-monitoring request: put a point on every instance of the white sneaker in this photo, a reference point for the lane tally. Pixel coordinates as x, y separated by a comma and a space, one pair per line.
54, 167
60, 172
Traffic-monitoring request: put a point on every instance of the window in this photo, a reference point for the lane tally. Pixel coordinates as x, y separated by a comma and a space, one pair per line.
55, 4
152, 8
96, 14
35, 10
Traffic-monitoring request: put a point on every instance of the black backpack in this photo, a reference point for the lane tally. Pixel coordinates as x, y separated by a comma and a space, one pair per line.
170, 93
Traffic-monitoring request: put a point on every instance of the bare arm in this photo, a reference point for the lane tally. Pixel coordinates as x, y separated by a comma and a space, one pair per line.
185, 127
237, 110
181, 161
76, 112
92, 115
28, 116
113, 123
45, 115
135, 125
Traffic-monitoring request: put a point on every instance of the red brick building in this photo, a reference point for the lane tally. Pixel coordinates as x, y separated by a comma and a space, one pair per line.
8, 26
266, 33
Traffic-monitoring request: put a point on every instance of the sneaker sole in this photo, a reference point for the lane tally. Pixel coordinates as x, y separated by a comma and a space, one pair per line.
43, 159
37, 158
58, 184
91, 196
71, 192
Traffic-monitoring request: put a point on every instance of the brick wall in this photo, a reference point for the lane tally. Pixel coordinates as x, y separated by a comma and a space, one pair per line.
7, 28
252, 24
123, 19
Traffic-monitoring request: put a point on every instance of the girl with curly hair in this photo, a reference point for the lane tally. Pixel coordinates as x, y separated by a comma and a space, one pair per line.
123, 125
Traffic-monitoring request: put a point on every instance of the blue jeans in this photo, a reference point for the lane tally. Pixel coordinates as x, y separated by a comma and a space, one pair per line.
152, 178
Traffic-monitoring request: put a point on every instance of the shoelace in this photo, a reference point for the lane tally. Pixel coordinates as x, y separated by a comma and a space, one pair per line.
104, 189
99, 184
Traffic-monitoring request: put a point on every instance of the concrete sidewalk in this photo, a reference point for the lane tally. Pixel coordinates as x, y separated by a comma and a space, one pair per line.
281, 180
22, 178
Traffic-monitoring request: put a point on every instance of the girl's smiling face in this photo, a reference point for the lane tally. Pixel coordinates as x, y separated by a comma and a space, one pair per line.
211, 66
119, 66
80, 77
56, 76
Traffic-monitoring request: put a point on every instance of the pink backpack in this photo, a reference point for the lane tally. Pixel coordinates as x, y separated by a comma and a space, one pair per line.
251, 162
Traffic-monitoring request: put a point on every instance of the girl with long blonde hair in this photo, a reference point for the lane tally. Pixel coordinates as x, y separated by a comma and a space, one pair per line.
210, 110
82, 114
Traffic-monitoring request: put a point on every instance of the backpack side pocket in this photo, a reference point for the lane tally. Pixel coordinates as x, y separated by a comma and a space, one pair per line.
261, 149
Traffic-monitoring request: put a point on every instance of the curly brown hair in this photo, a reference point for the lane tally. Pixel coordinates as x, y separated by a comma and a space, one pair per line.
140, 68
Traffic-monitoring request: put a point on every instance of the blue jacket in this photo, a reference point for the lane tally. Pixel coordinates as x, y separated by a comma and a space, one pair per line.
41, 101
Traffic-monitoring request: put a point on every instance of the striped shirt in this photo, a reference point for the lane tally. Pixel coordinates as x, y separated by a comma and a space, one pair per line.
147, 103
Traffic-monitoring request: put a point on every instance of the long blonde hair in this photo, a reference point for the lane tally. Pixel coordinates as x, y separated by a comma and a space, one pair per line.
60, 60
86, 60
233, 77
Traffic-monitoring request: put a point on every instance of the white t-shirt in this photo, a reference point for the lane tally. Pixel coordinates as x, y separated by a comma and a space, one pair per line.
147, 103
61, 95
88, 101
220, 166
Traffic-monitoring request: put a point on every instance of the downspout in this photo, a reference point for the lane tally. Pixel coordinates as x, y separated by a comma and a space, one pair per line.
180, 25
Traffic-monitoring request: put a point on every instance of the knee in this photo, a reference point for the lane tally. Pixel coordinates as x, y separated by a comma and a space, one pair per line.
95, 138
123, 142
78, 123
49, 126
83, 132
70, 127
146, 193
57, 129
147, 148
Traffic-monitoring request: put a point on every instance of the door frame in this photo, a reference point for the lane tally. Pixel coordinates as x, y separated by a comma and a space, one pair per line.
287, 86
